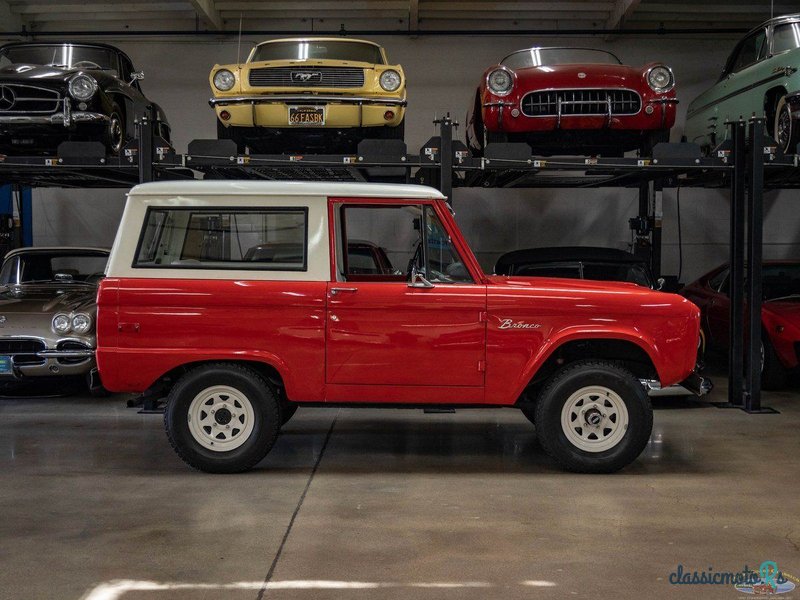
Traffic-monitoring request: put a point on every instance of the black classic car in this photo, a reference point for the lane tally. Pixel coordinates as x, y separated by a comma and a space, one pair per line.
578, 262
56, 92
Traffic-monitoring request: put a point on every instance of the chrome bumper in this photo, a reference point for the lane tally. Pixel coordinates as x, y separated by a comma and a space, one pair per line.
56, 119
50, 365
306, 99
693, 385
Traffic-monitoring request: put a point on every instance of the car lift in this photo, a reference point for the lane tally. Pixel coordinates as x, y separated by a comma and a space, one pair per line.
745, 164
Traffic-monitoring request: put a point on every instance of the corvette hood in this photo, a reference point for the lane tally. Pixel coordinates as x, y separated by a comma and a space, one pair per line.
47, 298
581, 76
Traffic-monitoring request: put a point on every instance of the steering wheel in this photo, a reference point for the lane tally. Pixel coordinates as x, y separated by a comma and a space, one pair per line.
87, 64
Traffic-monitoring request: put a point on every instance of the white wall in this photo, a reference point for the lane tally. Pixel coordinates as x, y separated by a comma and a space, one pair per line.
442, 74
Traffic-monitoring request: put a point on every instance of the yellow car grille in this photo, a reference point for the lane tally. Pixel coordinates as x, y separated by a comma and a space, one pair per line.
321, 77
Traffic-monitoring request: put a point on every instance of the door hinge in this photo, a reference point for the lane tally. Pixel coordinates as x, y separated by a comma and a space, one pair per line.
483, 317
481, 366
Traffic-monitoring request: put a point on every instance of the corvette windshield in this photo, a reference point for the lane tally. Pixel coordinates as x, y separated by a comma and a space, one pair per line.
65, 56
540, 57
53, 267
318, 50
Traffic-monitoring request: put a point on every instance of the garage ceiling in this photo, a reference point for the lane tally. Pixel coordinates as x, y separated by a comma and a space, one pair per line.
380, 15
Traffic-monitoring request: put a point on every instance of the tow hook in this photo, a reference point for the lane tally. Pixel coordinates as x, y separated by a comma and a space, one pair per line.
698, 385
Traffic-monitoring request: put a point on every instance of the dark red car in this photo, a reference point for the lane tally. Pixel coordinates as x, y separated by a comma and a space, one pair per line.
780, 315
572, 101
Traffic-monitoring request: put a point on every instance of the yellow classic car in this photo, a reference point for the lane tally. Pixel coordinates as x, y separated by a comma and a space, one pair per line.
309, 94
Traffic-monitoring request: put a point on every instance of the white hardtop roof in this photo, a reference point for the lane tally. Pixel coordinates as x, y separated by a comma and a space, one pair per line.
284, 188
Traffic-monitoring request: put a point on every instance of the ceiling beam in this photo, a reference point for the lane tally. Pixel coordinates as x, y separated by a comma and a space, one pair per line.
621, 11
9, 21
208, 13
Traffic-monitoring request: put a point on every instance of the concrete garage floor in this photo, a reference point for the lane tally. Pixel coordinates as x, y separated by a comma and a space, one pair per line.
390, 504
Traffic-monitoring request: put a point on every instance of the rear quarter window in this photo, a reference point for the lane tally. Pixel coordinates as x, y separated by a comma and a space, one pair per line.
269, 239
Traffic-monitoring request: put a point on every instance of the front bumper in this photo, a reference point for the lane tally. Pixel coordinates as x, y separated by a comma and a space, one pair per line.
51, 363
272, 110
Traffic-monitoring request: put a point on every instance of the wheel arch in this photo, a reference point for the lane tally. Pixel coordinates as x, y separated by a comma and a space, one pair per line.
629, 350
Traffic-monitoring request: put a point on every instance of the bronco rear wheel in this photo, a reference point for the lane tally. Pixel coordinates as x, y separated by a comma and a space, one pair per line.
593, 417
222, 418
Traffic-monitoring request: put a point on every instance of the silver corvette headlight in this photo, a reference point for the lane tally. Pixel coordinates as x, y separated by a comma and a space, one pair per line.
81, 323
390, 80
500, 81
61, 323
660, 79
224, 80
82, 87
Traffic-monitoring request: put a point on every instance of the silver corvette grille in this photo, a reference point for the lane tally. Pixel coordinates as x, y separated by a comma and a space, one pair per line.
552, 103
311, 77
18, 99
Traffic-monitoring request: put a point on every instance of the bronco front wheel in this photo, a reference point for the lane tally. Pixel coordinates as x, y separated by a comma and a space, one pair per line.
594, 417
222, 418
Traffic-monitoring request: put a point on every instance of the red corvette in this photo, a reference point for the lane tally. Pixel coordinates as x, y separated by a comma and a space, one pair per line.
572, 101
780, 315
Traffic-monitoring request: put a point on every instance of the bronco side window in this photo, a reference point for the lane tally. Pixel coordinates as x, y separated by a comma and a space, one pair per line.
385, 243
273, 239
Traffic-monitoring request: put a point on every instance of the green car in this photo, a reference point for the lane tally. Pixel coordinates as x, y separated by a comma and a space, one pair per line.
760, 78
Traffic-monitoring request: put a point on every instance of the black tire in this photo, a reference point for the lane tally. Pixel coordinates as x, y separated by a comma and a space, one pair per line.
115, 135
787, 129
255, 446
287, 412
773, 373
529, 410
627, 389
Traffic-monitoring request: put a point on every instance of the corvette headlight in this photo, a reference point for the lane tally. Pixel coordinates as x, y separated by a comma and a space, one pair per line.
500, 81
660, 79
61, 323
82, 87
390, 80
81, 323
224, 80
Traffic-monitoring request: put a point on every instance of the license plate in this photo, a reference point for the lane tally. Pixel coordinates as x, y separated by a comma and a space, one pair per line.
6, 366
307, 116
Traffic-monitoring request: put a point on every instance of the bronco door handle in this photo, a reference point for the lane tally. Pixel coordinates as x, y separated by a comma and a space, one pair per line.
340, 290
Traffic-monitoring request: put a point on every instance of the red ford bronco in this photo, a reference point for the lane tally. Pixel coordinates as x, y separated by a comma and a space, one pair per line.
245, 300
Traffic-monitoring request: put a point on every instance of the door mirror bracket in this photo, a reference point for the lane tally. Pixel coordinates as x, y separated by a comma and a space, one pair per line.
418, 280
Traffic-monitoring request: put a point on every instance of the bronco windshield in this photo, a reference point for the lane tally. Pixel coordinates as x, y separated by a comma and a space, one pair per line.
67, 56
539, 57
318, 50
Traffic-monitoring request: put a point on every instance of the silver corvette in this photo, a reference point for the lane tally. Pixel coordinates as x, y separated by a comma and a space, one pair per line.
47, 313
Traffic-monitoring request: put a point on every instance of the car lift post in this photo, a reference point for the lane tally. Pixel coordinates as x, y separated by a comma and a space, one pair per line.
446, 157
144, 133
736, 286
753, 292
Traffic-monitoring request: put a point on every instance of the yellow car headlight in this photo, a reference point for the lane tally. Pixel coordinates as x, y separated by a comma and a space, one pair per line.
390, 80
224, 80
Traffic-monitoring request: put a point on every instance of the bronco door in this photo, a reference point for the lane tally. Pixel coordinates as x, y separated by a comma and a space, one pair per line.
411, 327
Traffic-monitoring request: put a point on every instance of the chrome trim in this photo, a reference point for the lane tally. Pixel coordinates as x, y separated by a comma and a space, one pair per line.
56, 99
560, 102
65, 353
65, 118
669, 88
306, 99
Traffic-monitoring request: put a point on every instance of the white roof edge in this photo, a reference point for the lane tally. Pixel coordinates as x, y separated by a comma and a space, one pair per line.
285, 188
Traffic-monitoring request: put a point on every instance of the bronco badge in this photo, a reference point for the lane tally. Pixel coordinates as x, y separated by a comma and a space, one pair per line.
511, 324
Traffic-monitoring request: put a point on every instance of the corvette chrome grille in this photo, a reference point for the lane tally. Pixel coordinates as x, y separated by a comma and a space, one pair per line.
23, 351
311, 77
27, 99
552, 103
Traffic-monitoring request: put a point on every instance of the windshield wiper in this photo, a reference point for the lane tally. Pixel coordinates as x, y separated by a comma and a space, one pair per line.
789, 297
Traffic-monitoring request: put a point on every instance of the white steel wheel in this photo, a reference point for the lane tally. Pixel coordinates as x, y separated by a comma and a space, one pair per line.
221, 418
594, 419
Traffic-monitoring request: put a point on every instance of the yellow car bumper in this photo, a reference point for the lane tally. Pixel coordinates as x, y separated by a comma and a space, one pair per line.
339, 112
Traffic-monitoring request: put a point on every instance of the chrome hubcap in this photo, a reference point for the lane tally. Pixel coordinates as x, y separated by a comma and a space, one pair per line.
221, 418
594, 419
115, 133
783, 129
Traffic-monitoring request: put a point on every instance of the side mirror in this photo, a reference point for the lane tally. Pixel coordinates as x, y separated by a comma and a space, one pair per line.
137, 76
660, 283
418, 280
